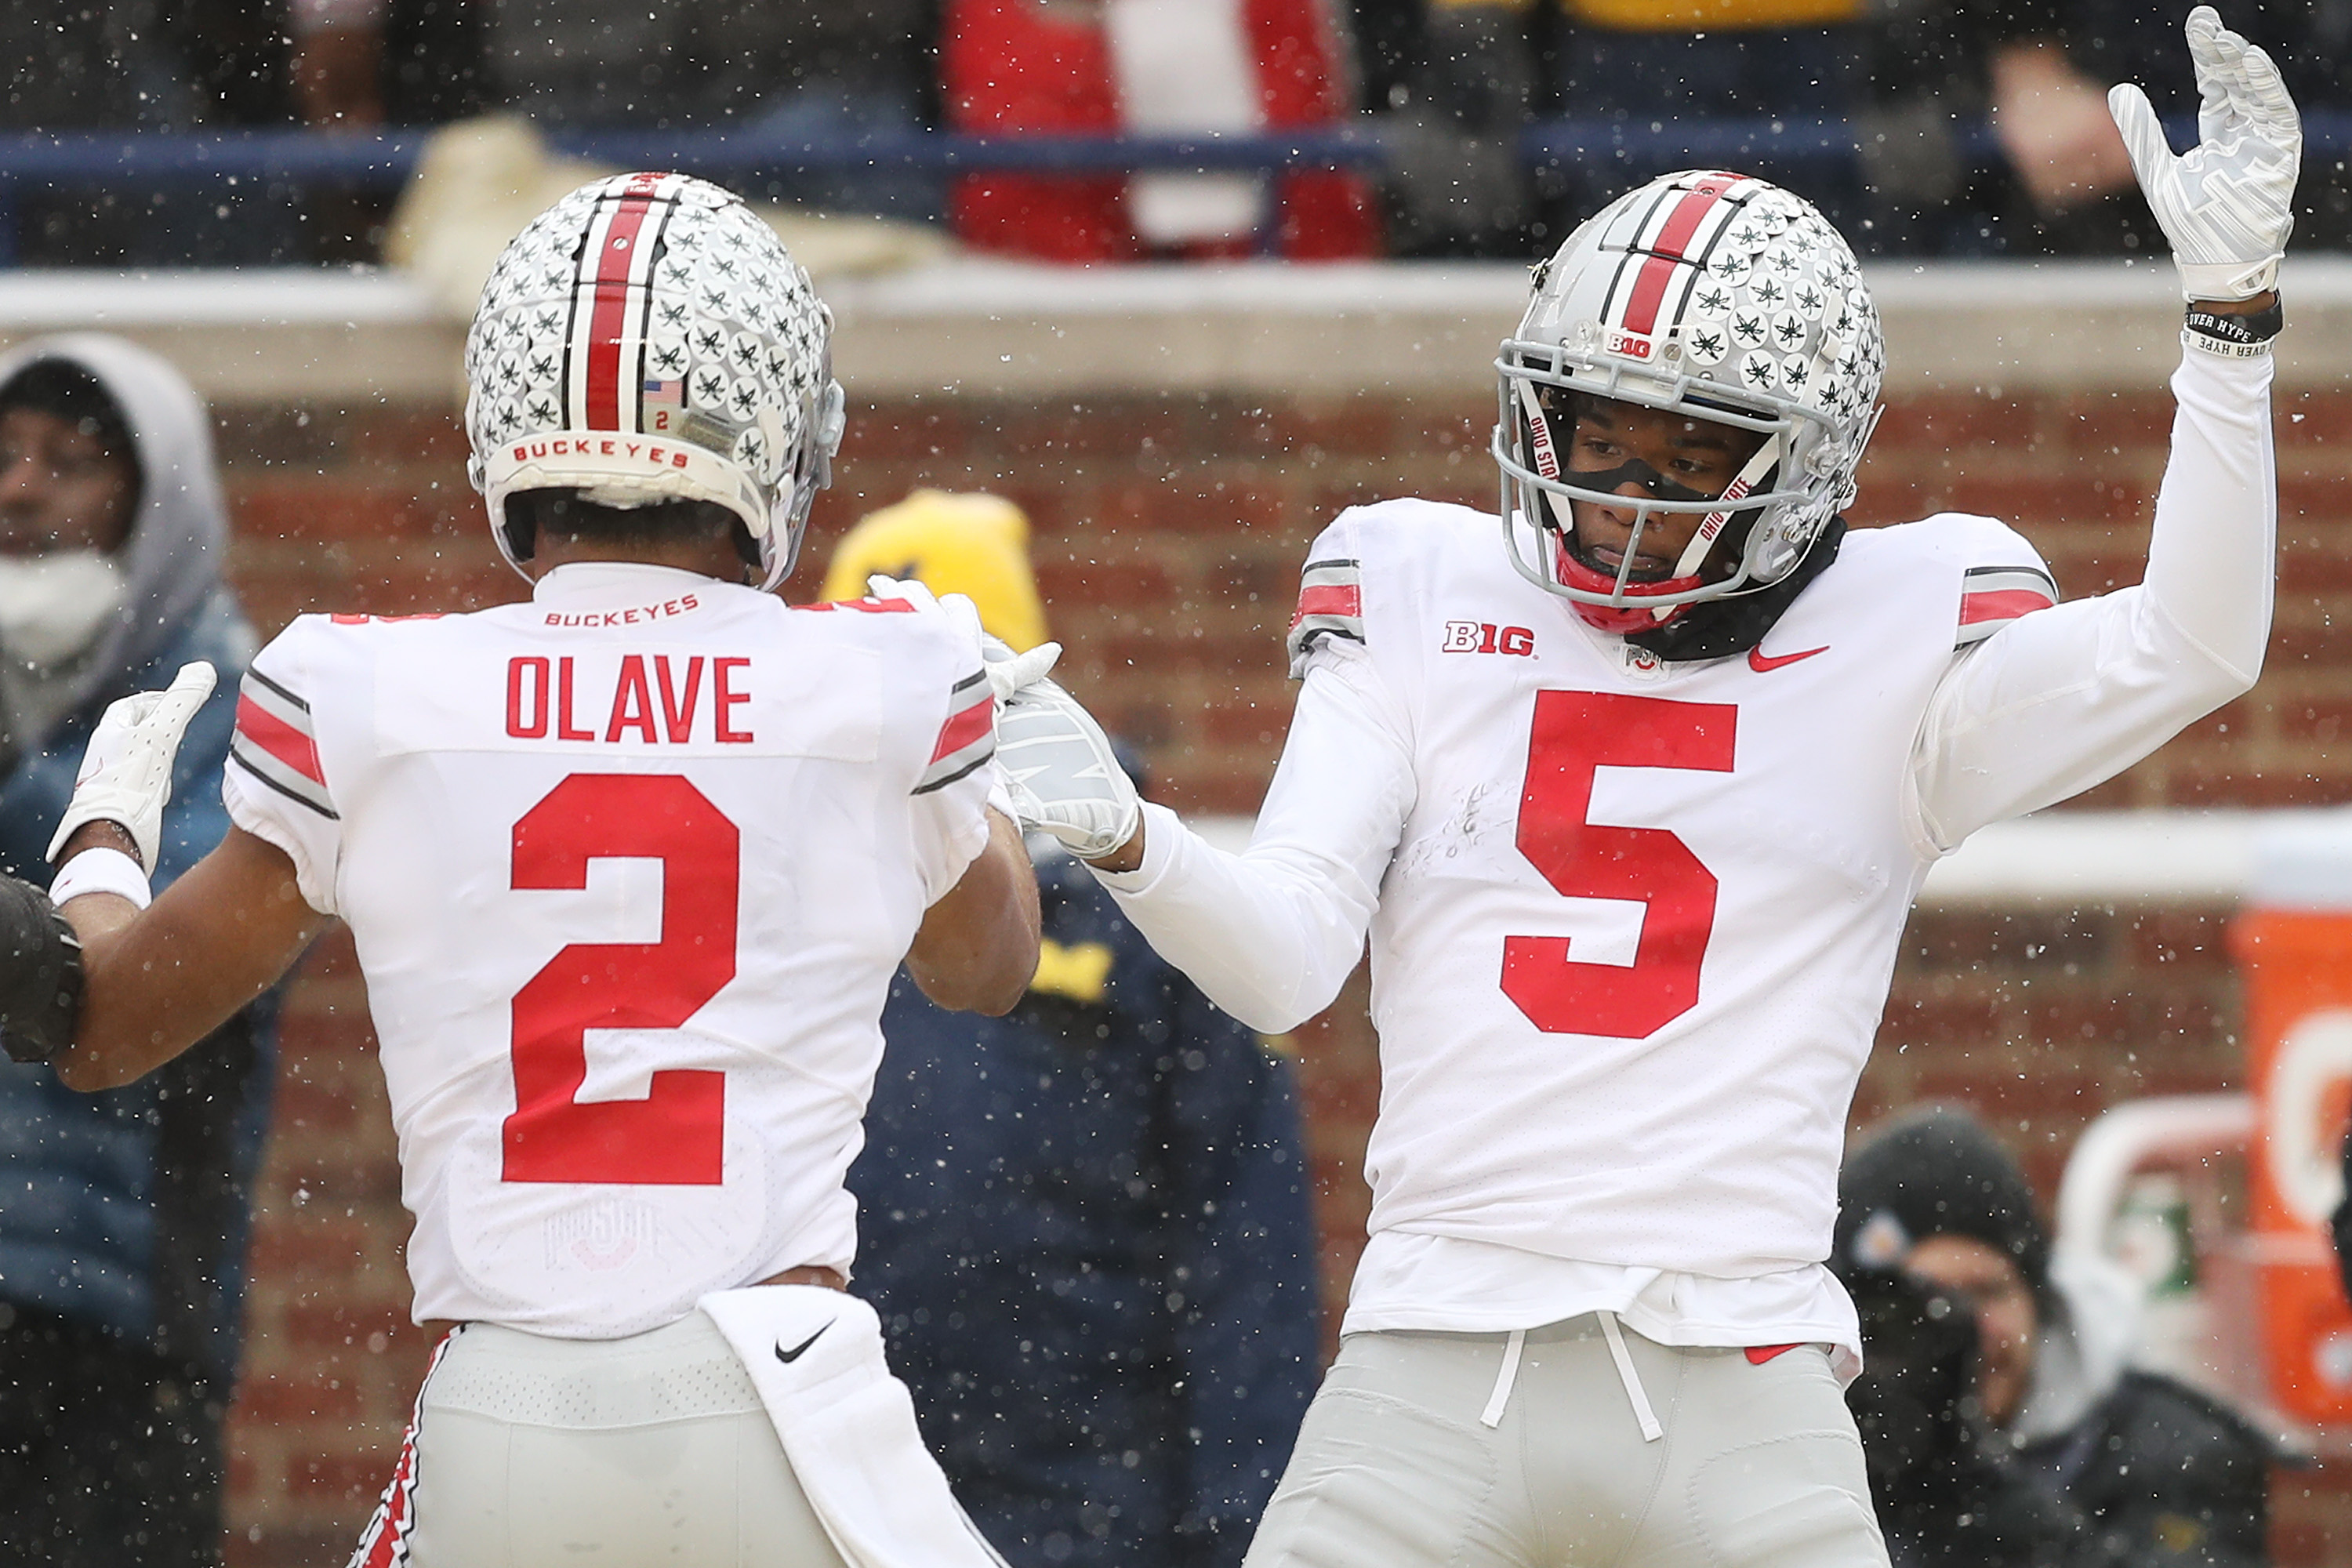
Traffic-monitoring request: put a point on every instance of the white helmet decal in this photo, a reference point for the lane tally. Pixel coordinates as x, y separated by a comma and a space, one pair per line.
1716, 296
647, 339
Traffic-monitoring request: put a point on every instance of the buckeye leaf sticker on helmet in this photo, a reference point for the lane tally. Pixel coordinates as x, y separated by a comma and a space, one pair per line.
647, 339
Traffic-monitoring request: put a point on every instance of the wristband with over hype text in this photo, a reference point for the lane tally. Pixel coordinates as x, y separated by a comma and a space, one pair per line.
2233, 336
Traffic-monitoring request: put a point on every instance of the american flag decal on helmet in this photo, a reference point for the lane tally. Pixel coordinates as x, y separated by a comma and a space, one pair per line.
1992, 596
968, 739
275, 744
1330, 604
604, 386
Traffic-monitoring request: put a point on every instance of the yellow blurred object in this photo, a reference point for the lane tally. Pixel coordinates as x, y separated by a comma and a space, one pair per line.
955, 543
1080, 972
1687, 15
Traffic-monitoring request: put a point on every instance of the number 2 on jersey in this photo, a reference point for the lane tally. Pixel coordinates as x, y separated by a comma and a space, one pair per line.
1576, 733
676, 1136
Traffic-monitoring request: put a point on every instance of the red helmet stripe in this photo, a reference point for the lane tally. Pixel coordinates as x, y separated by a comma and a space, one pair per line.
1667, 251
619, 266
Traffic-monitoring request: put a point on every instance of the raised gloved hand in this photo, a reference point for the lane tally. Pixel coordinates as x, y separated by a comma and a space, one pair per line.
2227, 204
126, 771
1059, 766
1007, 671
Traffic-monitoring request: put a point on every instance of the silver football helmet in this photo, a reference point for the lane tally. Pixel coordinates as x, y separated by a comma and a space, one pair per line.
647, 339
1720, 298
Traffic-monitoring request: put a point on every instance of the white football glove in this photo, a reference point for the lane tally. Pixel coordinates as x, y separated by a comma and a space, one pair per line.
1059, 766
2228, 203
1008, 672
126, 771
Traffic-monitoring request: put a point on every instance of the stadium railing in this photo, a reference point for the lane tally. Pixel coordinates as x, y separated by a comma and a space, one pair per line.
382, 160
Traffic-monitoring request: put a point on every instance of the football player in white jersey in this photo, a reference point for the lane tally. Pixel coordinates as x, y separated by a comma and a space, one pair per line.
629, 867
1632, 804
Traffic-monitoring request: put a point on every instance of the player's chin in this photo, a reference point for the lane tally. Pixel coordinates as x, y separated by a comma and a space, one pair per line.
1607, 560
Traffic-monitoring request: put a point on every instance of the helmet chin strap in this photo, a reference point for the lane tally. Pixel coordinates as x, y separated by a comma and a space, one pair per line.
1711, 526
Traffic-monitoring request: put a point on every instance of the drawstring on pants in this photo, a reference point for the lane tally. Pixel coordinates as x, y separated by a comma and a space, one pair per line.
1650, 1430
1493, 1415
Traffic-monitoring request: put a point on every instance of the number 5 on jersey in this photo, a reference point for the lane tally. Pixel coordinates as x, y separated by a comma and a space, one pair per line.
1575, 734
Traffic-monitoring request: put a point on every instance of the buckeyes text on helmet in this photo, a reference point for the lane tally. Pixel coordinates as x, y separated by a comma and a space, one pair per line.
1720, 298
647, 338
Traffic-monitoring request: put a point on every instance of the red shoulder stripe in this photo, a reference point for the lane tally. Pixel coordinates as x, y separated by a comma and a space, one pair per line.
280, 739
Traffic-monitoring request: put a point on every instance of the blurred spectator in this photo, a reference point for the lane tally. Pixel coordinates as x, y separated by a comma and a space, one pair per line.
2339, 1223
2002, 1418
1085, 1224
1651, 67
122, 1216
364, 63
1152, 68
818, 71
107, 65
1453, 88
2039, 73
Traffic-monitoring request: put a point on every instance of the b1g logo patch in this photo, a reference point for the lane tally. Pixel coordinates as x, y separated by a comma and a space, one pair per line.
1631, 345
1480, 637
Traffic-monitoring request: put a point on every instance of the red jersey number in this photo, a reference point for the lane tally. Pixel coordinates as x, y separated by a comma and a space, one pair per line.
1577, 733
676, 1135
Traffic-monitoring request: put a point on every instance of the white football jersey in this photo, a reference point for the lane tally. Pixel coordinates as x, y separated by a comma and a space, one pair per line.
1632, 924
629, 868
1631, 947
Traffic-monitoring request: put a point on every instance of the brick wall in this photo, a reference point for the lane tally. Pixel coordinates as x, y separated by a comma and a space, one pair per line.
1167, 537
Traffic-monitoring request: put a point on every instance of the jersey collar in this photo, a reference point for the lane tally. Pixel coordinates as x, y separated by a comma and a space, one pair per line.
598, 582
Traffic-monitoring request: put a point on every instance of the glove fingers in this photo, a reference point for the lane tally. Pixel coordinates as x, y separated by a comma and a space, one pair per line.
2220, 70
2268, 106
963, 612
2151, 154
195, 675
187, 692
1023, 669
908, 590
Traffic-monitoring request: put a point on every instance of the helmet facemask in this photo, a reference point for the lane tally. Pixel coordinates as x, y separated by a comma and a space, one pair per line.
1719, 298
1624, 597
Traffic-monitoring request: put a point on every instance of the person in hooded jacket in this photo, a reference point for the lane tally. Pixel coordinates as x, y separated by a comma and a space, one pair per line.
2003, 1421
1085, 1224
123, 1214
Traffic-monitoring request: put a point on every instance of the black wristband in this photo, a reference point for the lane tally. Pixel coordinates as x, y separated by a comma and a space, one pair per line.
2246, 331
40, 975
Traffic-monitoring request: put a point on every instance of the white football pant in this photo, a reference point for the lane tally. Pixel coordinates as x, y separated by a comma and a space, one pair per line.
529, 1452
1435, 1449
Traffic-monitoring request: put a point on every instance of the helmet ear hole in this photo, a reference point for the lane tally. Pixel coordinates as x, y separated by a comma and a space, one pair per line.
519, 527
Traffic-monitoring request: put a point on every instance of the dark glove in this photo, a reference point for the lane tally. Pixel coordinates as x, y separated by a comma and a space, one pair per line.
40, 975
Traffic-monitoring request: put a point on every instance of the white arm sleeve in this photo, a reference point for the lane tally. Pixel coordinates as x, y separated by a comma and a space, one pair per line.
1271, 934
2059, 701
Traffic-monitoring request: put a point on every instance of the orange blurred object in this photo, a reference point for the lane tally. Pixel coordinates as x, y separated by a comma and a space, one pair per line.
2297, 964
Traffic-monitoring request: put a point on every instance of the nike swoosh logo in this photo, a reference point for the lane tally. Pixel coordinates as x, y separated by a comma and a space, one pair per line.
794, 1354
1761, 662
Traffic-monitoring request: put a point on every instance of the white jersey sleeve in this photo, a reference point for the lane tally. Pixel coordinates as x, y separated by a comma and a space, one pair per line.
274, 784
951, 800
2048, 704
1271, 934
